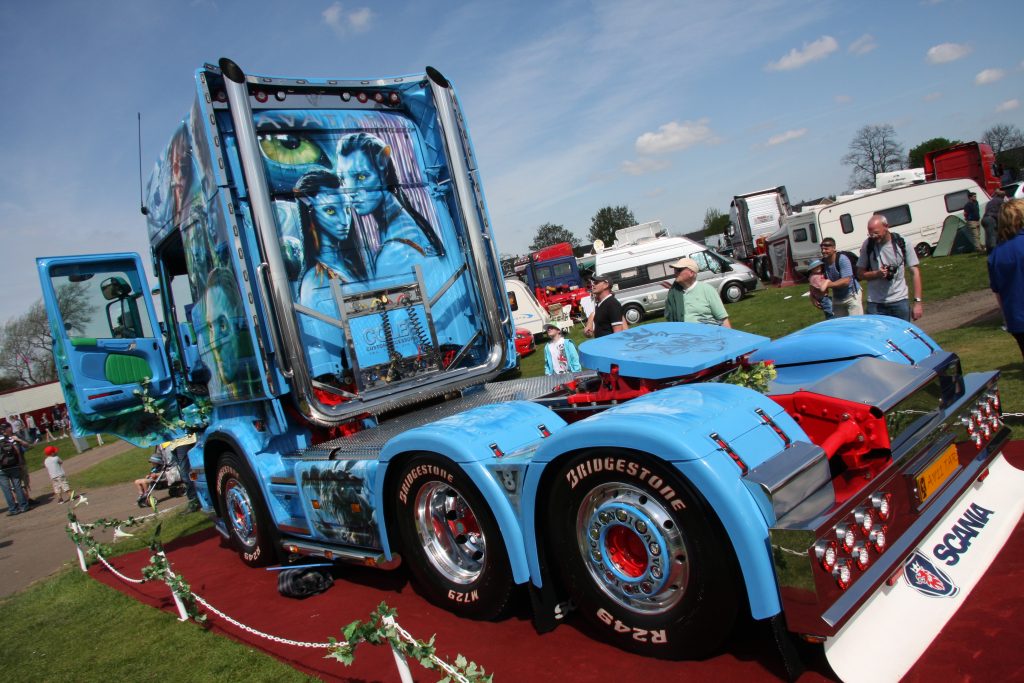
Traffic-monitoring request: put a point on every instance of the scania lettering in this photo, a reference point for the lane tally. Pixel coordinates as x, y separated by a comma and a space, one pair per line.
334, 328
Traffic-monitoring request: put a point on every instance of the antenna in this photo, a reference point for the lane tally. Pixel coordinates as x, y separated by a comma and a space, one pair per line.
142, 201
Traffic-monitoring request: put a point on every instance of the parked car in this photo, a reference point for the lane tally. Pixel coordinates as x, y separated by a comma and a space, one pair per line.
524, 342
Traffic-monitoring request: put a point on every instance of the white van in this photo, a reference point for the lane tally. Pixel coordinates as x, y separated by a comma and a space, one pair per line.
633, 268
915, 212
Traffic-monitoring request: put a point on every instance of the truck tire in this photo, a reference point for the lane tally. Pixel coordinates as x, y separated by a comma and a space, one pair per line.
633, 314
450, 539
732, 292
642, 555
244, 512
924, 250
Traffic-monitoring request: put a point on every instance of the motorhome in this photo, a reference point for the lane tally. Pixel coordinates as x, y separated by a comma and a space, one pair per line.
635, 267
916, 212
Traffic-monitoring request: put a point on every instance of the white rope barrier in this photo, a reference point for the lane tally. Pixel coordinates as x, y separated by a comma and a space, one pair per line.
401, 663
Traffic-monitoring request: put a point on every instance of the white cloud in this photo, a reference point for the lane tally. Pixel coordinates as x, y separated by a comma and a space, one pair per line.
988, 76
863, 45
1008, 105
786, 137
842, 99
644, 166
675, 136
811, 52
344, 22
948, 52
932, 96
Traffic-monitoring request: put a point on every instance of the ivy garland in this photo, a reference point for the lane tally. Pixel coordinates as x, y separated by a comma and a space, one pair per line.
378, 630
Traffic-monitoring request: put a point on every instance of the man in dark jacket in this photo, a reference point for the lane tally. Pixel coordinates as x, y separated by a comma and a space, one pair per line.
991, 217
972, 216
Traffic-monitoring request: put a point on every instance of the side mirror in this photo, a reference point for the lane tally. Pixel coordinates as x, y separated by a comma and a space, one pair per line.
114, 288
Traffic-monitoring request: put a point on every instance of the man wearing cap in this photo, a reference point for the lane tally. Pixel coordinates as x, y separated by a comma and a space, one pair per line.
972, 216
560, 354
692, 301
607, 317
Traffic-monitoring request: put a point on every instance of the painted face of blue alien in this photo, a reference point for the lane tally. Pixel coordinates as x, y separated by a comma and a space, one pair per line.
332, 215
360, 177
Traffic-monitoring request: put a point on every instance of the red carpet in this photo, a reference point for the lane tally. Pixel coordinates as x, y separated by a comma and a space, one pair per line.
981, 642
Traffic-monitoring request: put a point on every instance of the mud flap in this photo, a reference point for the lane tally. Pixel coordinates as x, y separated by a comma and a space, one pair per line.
898, 623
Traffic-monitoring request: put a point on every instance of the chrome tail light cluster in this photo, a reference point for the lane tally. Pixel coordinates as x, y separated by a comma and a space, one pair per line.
856, 541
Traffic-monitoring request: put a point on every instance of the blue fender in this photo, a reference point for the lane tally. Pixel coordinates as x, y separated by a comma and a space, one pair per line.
466, 439
851, 337
236, 427
674, 425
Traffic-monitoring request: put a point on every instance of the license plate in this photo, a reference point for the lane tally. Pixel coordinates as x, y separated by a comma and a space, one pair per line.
936, 474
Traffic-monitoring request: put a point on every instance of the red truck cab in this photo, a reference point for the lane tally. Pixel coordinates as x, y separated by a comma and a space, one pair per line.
974, 160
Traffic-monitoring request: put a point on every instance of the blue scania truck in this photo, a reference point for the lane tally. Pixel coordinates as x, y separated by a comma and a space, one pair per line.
333, 328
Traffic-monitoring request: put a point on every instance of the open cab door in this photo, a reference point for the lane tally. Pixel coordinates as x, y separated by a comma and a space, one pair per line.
107, 347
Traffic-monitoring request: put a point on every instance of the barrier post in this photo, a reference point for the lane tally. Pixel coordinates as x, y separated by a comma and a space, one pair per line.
403, 666
182, 612
78, 549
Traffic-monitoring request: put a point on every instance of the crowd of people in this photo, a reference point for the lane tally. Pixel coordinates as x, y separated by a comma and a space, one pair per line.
835, 282
18, 433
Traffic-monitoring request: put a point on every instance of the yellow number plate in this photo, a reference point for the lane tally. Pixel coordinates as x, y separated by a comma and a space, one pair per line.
933, 476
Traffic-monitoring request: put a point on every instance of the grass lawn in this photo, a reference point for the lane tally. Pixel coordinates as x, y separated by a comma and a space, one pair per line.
127, 466
65, 449
72, 628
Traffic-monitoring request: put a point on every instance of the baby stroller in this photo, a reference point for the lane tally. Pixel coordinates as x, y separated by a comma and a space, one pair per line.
163, 475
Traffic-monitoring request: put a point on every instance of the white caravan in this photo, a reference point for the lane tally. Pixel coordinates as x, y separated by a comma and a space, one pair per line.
916, 212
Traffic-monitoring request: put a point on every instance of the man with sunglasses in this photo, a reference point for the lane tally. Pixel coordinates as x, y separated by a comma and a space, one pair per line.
845, 288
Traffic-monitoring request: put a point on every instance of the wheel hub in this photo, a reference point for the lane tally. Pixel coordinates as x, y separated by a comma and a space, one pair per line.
632, 548
449, 532
240, 512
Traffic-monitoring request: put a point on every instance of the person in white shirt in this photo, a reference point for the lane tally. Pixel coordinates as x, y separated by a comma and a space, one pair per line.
58, 478
560, 354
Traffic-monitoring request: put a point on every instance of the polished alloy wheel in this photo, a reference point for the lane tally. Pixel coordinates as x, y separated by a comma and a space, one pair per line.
632, 548
449, 532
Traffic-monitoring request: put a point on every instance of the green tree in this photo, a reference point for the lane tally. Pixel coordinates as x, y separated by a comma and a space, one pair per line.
915, 159
607, 220
551, 233
873, 150
26, 343
715, 222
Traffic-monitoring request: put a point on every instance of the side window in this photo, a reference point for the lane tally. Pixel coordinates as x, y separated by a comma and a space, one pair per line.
706, 263
897, 215
102, 305
629, 278
846, 222
800, 235
955, 201
658, 271
513, 304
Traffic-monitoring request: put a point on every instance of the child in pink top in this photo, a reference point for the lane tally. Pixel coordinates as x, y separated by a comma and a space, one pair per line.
819, 285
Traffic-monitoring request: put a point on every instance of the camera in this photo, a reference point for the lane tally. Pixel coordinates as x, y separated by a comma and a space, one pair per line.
888, 271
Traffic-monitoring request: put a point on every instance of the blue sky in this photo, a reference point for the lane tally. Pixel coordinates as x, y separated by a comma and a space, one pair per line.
667, 107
